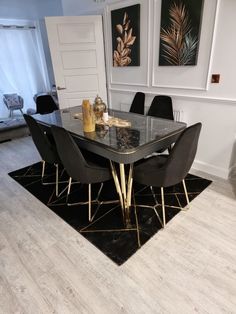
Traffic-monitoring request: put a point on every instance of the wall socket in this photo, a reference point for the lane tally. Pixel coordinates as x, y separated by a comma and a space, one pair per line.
215, 78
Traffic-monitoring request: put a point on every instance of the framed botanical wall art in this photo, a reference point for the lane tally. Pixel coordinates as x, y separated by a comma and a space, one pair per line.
125, 24
180, 32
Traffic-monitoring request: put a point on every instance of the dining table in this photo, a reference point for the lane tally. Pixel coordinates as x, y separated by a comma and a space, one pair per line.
124, 139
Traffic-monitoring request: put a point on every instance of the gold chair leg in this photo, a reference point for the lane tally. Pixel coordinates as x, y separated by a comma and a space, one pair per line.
163, 207
97, 201
163, 203
89, 202
99, 191
68, 190
57, 178
43, 169
154, 207
186, 194
130, 184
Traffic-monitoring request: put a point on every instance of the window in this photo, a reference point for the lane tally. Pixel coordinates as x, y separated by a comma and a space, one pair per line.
22, 63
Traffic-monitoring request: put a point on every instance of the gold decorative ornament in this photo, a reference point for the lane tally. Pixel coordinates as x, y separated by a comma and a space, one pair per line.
99, 107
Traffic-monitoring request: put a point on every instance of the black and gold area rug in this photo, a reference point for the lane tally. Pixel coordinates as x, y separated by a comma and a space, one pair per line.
107, 231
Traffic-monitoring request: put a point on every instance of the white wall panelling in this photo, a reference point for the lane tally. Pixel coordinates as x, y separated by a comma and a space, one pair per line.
178, 76
218, 137
186, 96
131, 75
214, 106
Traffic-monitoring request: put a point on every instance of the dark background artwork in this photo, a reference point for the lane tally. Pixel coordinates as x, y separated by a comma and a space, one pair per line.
126, 36
180, 32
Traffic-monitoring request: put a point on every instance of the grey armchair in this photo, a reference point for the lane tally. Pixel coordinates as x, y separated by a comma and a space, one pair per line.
13, 102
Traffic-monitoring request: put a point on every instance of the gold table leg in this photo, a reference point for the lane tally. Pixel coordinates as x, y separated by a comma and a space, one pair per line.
124, 189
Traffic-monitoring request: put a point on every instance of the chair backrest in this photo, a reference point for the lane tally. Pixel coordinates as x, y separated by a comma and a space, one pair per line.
45, 148
45, 104
161, 107
70, 155
181, 156
137, 105
13, 101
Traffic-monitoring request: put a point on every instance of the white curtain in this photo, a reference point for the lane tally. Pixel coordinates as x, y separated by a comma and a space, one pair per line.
21, 69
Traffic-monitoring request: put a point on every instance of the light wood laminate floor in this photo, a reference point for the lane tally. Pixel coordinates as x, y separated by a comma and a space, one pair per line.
47, 267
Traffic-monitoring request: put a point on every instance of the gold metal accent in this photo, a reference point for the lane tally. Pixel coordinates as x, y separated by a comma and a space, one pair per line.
57, 176
108, 230
157, 204
90, 201
57, 182
130, 184
124, 192
117, 183
136, 219
124, 189
123, 183
163, 207
186, 195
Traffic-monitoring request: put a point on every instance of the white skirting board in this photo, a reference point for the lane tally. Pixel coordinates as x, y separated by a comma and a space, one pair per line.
213, 170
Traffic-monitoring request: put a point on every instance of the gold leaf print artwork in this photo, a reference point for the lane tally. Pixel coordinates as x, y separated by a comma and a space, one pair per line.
125, 40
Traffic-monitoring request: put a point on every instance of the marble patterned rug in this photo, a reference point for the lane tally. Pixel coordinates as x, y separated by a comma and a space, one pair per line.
108, 231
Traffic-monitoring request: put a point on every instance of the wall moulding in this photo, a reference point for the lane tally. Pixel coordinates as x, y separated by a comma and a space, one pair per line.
178, 77
178, 96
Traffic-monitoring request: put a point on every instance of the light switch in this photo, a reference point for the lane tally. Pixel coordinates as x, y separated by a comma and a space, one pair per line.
215, 78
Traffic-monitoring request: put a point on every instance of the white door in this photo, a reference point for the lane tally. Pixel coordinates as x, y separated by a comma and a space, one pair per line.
77, 51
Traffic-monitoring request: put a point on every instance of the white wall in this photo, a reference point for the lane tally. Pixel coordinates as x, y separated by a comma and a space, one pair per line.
29, 9
81, 7
215, 107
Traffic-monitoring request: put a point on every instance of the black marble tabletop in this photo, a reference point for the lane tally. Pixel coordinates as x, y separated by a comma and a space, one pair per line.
145, 134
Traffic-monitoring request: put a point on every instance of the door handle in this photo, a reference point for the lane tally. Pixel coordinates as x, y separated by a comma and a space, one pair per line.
60, 88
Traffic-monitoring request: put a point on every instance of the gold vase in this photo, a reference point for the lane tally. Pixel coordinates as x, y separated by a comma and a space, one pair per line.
88, 117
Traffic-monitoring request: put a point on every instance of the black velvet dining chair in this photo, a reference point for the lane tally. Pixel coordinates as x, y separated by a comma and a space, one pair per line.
161, 107
45, 103
81, 169
46, 148
137, 105
167, 170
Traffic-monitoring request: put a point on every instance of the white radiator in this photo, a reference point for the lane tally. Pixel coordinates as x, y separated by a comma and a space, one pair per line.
178, 115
